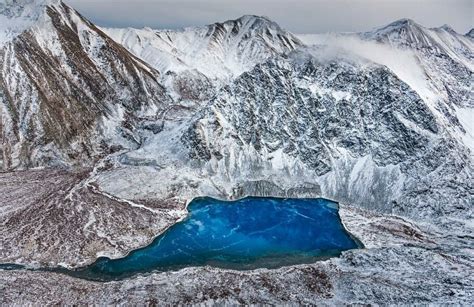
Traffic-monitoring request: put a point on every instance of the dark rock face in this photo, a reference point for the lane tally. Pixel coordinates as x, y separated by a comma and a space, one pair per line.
320, 111
470, 34
273, 107
269, 189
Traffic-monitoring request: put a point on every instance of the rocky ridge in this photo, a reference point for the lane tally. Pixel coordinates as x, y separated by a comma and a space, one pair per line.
66, 89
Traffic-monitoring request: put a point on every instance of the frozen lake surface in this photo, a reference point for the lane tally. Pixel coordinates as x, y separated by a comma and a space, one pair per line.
245, 234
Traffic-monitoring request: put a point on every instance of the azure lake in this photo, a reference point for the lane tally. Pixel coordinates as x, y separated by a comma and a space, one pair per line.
249, 233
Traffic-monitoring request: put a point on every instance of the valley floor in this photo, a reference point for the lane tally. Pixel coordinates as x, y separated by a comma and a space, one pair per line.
402, 262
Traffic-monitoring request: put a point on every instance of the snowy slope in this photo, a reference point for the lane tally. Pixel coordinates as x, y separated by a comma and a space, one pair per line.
65, 87
220, 50
18, 15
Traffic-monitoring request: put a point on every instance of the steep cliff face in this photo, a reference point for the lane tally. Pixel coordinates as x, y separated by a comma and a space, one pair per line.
436, 63
343, 123
303, 106
64, 85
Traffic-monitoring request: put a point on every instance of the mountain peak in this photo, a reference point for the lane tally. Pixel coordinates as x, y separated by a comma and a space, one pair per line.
470, 33
24, 8
447, 28
403, 21
251, 22
404, 27
18, 15
250, 27
250, 17
399, 24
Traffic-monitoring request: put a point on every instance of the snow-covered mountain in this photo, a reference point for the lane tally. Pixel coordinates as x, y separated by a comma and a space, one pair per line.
408, 33
445, 56
195, 61
434, 49
437, 63
360, 118
64, 85
341, 127
447, 60
470, 34
380, 121
243, 101
221, 50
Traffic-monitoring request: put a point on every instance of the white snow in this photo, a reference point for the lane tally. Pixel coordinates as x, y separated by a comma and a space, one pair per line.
16, 16
403, 63
221, 56
466, 117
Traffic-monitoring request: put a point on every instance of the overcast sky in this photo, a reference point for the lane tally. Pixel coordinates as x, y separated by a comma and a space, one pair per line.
298, 16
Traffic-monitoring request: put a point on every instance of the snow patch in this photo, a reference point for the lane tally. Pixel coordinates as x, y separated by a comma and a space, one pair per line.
16, 16
466, 117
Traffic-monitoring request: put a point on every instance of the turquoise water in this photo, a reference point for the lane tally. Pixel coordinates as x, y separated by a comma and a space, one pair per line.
245, 234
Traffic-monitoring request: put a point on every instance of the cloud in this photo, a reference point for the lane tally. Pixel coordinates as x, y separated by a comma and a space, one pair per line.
299, 16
